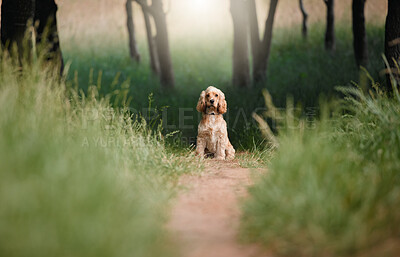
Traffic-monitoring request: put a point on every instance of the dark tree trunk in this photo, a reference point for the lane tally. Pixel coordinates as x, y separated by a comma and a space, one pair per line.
161, 41
359, 34
133, 49
392, 39
241, 70
304, 30
15, 15
254, 32
330, 25
154, 65
162, 45
47, 32
261, 60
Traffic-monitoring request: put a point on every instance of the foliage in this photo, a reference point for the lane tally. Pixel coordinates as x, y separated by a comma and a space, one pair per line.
77, 177
333, 190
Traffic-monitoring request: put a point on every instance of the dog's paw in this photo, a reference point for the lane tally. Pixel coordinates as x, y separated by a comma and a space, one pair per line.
219, 158
230, 158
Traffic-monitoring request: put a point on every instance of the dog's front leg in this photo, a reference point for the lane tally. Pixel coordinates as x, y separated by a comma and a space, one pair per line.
230, 152
200, 147
220, 154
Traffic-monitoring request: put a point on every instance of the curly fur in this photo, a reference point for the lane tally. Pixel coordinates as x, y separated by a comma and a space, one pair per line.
212, 133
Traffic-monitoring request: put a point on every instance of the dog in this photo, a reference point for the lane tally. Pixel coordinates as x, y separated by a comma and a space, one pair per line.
212, 135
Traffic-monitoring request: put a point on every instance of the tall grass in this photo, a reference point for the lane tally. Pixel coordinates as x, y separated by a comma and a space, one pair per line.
77, 177
333, 190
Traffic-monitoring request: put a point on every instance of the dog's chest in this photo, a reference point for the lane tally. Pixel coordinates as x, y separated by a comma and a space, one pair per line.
211, 125
212, 129
212, 120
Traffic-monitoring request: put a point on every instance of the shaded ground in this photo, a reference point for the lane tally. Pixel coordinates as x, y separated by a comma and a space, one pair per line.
205, 217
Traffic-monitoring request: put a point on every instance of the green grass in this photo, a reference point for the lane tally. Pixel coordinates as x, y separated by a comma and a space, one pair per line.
333, 190
78, 178
302, 69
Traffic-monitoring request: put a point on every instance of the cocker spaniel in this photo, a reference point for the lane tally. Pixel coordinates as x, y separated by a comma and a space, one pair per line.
212, 133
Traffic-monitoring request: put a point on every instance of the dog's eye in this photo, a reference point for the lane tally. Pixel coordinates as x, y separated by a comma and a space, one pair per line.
208, 95
216, 94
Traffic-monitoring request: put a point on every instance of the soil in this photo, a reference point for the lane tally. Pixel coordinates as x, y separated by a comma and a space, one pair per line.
206, 214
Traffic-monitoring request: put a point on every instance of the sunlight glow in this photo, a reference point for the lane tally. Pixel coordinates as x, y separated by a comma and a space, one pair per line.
202, 5
202, 16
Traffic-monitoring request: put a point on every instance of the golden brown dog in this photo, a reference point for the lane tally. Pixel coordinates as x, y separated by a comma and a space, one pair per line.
212, 135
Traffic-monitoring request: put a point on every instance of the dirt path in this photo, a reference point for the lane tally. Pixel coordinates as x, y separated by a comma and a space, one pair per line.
205, 217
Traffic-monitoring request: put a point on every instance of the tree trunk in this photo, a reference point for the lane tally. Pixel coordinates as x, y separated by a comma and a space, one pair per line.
392, 39
304, 30
359, 34
15, 15
330, 25
133, 49
162, 45
47, 32
241, 70
154, 64
254, 32
261, 60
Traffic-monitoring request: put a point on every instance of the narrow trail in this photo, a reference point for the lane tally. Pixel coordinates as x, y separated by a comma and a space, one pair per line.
205, 217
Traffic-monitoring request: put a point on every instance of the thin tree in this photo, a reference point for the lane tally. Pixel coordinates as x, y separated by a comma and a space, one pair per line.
154, 64
241, 69
330, 25
261, 48
133, 49
359, 34
15, 19
254, 31
304, 29
161, 41
392, 39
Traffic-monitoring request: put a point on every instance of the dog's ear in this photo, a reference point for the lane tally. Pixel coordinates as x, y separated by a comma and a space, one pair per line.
201, 104
222, 105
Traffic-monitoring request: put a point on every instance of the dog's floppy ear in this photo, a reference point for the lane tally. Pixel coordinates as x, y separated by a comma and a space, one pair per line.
222, 106
201, 104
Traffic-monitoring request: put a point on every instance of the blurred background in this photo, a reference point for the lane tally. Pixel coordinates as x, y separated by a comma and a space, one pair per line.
94, 40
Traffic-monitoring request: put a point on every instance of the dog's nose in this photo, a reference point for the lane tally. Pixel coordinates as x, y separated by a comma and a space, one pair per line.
212, 101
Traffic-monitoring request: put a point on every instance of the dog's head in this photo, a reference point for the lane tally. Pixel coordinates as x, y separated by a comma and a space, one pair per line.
212, 99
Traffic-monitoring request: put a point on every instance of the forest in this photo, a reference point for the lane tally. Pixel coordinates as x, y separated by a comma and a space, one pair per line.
100, 106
